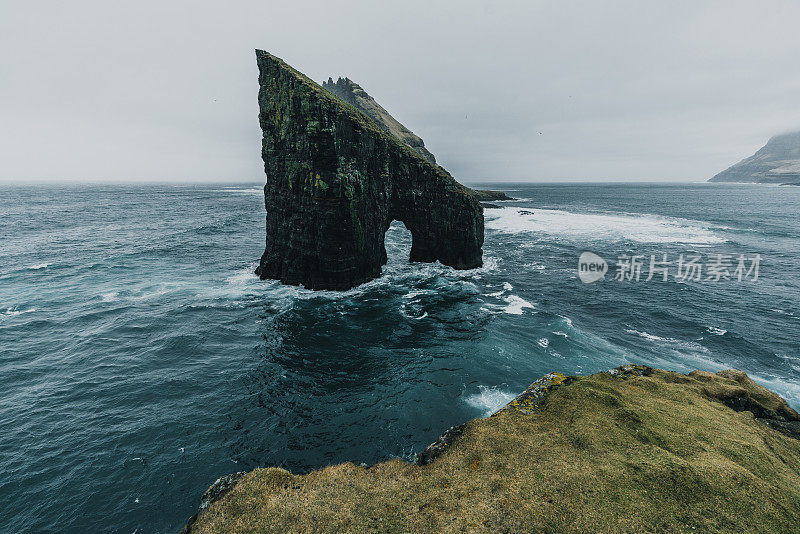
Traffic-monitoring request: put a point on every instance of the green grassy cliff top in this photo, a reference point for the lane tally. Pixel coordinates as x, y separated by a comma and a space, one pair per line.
639, 450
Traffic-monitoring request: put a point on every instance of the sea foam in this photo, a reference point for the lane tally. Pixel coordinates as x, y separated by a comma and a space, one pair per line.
13, 312
641, 228
489, 399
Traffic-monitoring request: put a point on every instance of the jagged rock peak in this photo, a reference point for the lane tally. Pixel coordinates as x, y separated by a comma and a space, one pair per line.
336, 181
356, 96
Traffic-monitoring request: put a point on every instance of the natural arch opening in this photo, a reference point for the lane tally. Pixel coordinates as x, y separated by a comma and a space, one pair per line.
397, 242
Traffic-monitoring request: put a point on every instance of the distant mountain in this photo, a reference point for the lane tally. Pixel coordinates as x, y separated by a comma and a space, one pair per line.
352, 93
777, 162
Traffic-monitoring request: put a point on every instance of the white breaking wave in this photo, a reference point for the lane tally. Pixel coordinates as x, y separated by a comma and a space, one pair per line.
399, 274
789, 390
13, 312
414, 293
641, 228
111, 296
716, 331
243, 277
38, 266
489, 399
409, 316
506, 287
650, 337
516, 305
668, 340
241, 283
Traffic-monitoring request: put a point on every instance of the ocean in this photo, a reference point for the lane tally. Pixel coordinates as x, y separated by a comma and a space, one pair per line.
141, 358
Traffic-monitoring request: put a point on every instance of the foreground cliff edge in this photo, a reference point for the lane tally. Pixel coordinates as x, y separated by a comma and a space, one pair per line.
635, 449
336, 181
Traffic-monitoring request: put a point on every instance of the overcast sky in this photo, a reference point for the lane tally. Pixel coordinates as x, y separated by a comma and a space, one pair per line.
500, 91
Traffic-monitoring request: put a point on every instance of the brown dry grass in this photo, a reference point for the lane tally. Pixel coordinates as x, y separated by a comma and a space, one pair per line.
603, 454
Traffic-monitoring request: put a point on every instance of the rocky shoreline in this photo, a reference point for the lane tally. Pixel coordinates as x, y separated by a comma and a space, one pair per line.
726, 417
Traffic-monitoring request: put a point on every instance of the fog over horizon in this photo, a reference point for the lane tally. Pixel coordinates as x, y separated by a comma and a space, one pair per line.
511, 91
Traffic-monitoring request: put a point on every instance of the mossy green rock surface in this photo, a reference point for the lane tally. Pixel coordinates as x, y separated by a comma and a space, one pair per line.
352, 93
336, 181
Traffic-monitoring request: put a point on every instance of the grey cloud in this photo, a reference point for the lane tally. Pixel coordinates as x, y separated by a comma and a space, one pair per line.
634, 90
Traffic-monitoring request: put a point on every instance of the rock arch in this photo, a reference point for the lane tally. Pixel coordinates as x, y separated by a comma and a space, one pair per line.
335, 181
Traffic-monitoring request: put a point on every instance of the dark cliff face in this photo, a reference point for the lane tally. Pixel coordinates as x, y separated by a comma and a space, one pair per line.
336, 181
776, 162
352, 93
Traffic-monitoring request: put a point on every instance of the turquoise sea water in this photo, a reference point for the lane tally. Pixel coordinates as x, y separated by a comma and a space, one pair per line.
140, 358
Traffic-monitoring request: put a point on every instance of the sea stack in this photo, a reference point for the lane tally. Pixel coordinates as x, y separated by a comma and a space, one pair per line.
335, 182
